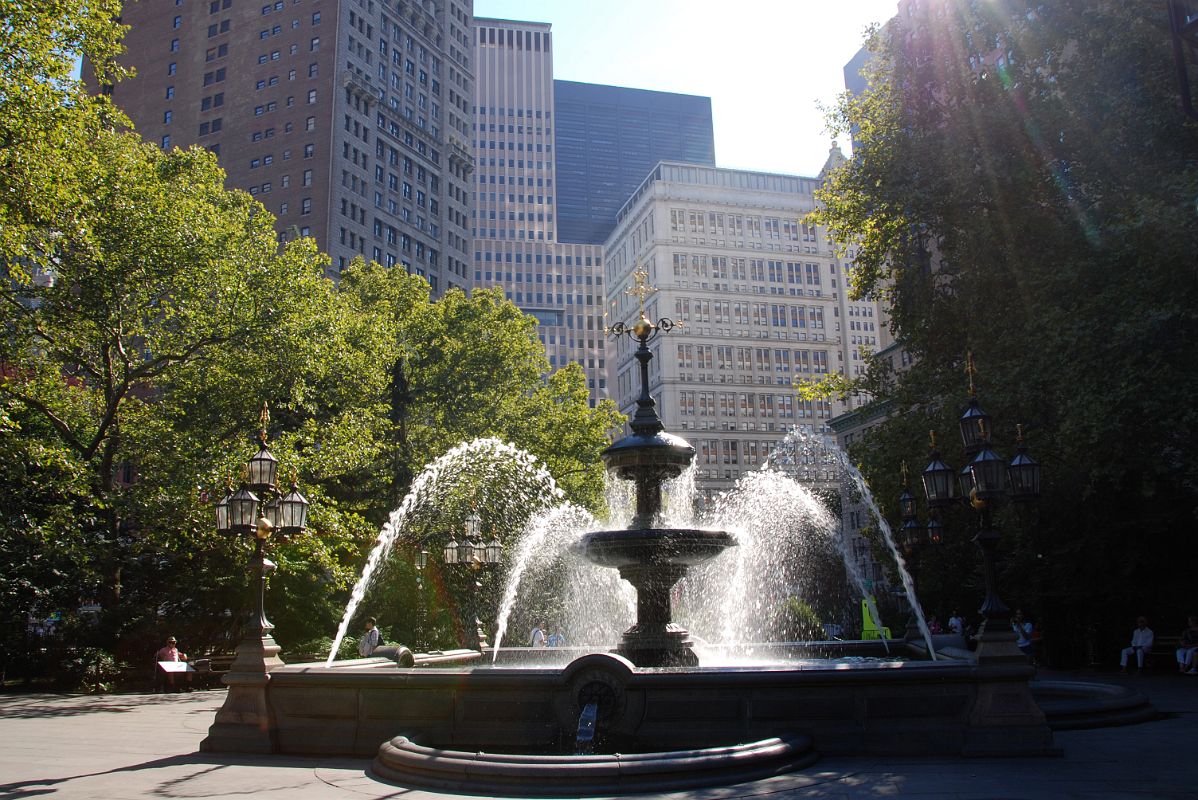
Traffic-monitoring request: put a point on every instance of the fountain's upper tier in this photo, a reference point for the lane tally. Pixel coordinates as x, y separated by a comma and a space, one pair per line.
643, 455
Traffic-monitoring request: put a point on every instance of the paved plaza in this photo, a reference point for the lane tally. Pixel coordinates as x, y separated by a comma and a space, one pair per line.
146, 746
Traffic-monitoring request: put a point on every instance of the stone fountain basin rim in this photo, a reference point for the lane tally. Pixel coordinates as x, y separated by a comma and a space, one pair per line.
713, 677
682, 546
403, 761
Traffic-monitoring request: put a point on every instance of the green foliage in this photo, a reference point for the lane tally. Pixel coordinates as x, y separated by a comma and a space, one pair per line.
1042, 214
147, 312
798, 622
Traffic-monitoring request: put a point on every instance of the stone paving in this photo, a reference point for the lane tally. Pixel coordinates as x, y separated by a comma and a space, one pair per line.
146, 746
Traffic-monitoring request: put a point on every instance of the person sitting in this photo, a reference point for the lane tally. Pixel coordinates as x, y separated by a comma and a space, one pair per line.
1187, 651
934, 625
1025, 634
1141, 644
956, 623
164, 679
370, 639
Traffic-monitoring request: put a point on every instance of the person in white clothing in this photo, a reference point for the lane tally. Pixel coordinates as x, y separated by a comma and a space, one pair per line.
1141, 644
538, 636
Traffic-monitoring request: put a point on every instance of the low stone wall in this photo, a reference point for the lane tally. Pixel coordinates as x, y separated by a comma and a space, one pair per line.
909, 708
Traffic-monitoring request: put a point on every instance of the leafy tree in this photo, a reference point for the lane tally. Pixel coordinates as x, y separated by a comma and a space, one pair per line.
1023, 186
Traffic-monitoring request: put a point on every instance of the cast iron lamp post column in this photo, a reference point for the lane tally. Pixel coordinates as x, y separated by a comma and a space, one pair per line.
472, 557
910, 542
990, 480
243, 723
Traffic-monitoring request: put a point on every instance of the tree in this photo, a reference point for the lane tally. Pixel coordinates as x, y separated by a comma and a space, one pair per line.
1023, 186
469, 367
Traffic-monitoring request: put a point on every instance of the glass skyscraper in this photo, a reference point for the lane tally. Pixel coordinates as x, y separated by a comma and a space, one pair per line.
608, 138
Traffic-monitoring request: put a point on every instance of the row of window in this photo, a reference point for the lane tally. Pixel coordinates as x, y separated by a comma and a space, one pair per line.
751, 359
735, 312
701, 265
739, 225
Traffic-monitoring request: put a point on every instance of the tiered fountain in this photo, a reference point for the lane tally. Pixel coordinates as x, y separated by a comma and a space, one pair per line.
657, 719
651, 559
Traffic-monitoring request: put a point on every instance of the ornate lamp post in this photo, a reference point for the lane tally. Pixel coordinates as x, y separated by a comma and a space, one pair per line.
912, 538
471, 558
243, 722
991, 480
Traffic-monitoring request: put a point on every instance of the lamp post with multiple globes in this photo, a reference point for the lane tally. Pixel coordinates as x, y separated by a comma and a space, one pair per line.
259, 509
986, 481
470, 558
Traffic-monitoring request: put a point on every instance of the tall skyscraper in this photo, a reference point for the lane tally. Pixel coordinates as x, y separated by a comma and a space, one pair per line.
346, 119
608, 138
514, 227
763, 300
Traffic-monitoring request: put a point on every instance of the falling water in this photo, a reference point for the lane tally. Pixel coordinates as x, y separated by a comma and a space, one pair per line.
477, 465
858, 481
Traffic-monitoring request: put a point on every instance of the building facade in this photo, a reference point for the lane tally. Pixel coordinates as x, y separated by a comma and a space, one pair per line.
608, 138
514, 223
762, 300
347, 120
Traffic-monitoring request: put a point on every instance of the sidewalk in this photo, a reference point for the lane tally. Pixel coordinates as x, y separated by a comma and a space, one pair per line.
146, 746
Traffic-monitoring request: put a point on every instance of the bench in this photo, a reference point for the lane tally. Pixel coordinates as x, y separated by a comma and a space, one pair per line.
211, 668
1163, 654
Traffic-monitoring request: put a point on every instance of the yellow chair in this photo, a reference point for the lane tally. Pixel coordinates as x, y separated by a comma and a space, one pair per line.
870, 631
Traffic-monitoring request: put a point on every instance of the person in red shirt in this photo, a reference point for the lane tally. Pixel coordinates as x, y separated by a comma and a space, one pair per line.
170, 652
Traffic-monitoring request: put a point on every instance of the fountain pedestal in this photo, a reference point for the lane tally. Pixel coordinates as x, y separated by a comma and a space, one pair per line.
653, 560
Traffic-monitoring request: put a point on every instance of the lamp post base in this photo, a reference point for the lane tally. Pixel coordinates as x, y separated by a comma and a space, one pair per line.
244, 723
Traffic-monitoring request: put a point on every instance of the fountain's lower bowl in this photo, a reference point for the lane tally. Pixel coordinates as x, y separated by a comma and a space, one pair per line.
674, 546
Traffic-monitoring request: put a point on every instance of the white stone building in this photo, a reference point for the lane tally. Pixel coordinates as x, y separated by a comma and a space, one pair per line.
762, 299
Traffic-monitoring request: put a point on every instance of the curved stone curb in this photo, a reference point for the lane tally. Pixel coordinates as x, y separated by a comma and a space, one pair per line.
1077, 705
406, 763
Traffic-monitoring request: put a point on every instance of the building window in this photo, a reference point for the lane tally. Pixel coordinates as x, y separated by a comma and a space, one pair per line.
311, 96
314, 45
310, 124
306, 206
178, 23
166, 142
307, 177
316, 18
174, 45
172, 68
170, 93
309, 150
166, 117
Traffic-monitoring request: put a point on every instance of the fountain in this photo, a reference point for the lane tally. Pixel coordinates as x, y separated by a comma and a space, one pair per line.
648, 715
651, 559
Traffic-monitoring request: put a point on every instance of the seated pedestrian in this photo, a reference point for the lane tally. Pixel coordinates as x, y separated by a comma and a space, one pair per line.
1025, 634
164, 677
556, 639
1141, 644
1187, 651
956, 623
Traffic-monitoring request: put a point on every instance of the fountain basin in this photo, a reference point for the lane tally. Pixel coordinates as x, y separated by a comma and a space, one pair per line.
901, 708
660, 454
675, 546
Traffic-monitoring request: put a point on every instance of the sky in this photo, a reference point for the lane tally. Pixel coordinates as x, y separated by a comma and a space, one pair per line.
767, 65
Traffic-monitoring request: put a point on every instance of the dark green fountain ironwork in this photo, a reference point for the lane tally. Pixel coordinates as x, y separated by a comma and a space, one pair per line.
652, 559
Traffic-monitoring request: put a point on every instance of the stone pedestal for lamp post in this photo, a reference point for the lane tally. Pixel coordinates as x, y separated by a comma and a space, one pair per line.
243, 724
